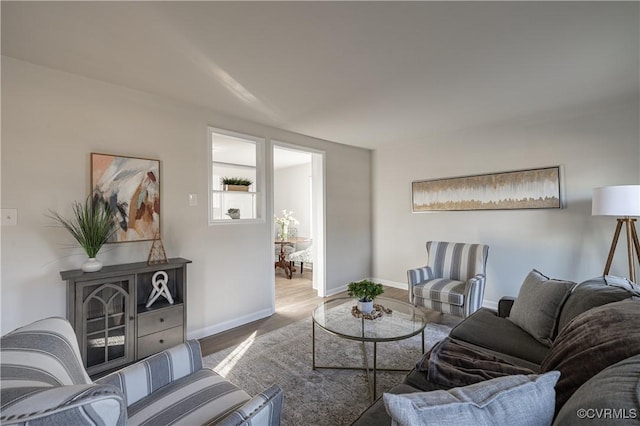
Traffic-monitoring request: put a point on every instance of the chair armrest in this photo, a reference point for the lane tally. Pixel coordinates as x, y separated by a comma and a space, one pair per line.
474, 294
89, 404
145, 377
263, 409
504, 306
418, 276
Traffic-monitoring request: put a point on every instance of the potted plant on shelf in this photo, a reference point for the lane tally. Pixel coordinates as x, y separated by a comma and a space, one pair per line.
92, 225
235, 183
233, 213
365, 291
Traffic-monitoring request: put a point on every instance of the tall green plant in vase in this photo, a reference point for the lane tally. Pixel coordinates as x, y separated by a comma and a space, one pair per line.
93, 223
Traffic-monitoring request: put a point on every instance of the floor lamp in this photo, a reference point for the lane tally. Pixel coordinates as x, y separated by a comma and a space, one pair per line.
622, 201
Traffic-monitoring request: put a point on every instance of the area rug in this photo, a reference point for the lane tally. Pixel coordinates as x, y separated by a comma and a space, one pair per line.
320, 397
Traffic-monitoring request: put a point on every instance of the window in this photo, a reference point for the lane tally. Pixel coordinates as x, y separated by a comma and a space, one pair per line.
236, 159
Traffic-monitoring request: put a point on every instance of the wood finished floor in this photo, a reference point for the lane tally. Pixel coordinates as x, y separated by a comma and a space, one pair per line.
295, 299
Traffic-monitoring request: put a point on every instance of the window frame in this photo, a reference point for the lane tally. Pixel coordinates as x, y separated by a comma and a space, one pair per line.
259, 184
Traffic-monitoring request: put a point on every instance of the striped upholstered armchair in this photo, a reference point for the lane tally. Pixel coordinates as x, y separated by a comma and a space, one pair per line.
43, 382
453, 280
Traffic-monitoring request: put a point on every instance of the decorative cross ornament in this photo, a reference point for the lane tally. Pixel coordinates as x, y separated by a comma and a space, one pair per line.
159, 282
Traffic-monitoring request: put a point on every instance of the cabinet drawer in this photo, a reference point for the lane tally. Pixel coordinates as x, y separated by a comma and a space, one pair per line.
156, 342
162, 319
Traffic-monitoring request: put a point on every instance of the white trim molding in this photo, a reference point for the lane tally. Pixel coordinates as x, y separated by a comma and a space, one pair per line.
227, 325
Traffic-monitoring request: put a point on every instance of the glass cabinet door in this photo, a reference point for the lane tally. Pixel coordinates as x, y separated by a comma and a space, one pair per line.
105, 317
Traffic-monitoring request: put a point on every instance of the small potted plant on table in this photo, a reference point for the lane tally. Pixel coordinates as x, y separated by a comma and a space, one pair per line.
365, 291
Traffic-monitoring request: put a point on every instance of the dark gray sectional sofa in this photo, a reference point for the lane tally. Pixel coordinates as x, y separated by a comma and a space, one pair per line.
594, 342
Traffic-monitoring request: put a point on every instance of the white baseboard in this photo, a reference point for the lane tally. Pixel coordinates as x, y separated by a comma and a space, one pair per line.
227, 325
388, 283
335, 291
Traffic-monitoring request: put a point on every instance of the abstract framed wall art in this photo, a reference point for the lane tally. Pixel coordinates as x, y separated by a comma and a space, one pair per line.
132, 188
521, 189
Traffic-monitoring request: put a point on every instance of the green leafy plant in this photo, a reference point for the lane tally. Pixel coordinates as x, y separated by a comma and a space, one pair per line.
235, 181
92, 224
365, 290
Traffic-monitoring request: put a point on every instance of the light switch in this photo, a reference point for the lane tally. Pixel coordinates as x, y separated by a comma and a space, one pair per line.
193, 199
9, 217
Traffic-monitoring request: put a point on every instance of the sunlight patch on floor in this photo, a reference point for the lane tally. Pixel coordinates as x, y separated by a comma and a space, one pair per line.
226, 365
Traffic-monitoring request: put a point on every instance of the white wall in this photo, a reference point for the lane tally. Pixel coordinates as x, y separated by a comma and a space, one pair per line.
292, 192
595, 146
52, 121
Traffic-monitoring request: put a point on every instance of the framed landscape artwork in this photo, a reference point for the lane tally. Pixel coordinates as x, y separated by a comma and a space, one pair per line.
521, 189
132, 188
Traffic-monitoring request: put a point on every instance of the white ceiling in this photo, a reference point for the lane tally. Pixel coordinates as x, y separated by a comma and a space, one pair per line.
361, 73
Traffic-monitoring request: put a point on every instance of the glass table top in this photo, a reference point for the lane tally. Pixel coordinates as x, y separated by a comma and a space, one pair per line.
404, 321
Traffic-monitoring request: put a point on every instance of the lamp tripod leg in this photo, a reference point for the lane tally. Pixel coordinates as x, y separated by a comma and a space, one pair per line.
614, 243
632, 269
636, 244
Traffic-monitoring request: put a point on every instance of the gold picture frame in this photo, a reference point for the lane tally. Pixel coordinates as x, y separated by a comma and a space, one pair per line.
520, 189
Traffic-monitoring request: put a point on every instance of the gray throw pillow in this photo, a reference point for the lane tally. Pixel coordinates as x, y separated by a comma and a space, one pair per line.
591, 342
538, 305
514, 400
611, 396
597, 291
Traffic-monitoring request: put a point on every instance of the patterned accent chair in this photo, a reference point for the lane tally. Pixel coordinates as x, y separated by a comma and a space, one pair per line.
453, 280
43, 381
302, 256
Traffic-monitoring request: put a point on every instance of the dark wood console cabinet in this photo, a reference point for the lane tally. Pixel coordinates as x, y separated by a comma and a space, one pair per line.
108, 313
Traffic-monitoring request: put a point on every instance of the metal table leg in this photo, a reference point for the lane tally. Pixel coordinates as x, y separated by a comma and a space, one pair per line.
313, 344
375, 367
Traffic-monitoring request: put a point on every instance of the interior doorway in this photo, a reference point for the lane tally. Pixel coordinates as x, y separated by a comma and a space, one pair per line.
298, 186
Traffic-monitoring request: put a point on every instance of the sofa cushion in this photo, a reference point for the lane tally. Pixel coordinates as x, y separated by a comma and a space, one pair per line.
200, 398
538, 305
518, 399
597, 291
376, 414
418, 379
452, 363
441, 290
485, 329
613, 395
591, 342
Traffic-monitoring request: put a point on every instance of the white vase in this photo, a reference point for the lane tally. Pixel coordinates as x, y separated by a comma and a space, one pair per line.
91, 265
365, 307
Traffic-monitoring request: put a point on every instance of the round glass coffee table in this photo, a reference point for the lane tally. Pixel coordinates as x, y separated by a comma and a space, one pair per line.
335, 317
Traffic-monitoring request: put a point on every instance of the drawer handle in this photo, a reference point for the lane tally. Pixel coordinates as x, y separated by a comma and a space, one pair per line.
161, 319
161, 341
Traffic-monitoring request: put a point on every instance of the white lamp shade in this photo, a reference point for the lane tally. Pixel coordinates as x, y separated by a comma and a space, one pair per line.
620, 200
